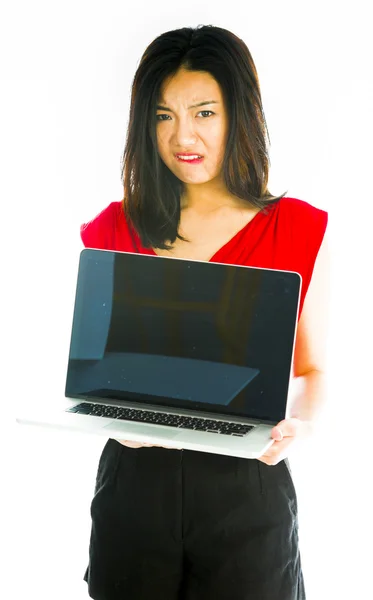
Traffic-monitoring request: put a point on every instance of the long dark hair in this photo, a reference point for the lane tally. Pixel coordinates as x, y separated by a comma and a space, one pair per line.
151, 191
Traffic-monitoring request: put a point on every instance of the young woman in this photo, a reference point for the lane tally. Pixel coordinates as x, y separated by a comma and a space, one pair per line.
171, 524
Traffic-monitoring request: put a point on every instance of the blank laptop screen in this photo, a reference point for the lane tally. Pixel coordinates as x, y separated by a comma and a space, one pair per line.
183, 333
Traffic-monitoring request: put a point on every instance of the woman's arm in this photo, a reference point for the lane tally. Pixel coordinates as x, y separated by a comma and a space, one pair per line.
307, 394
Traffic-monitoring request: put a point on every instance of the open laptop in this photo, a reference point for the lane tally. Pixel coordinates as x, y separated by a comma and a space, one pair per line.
179, 353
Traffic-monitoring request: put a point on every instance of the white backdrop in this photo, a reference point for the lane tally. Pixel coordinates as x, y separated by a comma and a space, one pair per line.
66, 73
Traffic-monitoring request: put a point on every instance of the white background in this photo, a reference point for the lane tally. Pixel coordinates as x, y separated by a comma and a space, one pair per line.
66, 72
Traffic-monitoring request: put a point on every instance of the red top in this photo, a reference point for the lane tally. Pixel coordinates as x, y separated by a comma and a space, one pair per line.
287, 237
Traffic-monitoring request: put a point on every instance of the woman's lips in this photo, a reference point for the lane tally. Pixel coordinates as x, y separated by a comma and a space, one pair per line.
190, 161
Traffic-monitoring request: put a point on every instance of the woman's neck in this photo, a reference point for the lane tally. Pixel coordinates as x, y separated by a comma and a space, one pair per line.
207, 198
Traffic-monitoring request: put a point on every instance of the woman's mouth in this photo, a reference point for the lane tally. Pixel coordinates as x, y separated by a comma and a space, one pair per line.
192, 159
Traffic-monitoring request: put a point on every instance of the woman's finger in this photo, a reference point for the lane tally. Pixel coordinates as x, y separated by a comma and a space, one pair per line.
131, 444
276, 452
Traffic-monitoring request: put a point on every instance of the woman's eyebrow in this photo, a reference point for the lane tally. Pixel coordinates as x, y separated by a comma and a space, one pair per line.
204, 103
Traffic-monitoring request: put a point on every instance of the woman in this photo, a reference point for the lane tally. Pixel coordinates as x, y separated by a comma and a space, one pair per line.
173, 524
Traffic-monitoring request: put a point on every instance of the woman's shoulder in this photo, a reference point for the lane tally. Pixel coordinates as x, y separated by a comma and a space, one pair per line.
100, 230
301, 214
298, 208
301, 227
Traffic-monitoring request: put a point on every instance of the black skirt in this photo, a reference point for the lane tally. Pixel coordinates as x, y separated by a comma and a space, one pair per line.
183, 525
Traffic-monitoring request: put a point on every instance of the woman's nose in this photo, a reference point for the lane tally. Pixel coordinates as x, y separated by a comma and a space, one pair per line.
184, 133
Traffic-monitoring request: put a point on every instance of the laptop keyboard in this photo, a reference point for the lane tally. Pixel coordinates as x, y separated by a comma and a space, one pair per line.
148, 416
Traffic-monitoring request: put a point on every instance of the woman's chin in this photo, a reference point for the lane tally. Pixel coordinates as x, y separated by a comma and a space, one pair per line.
193, 179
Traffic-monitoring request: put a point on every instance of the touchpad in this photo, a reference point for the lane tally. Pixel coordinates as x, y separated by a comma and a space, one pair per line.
140, 429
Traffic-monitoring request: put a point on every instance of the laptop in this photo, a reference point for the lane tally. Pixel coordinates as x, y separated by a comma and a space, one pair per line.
179, 353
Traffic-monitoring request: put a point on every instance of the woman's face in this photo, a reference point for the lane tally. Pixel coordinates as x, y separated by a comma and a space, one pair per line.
192, 120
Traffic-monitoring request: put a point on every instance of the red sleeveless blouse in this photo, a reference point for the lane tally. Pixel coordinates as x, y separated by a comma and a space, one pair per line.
286, 236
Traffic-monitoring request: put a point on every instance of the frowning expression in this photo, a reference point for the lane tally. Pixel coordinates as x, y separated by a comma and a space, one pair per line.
192, 126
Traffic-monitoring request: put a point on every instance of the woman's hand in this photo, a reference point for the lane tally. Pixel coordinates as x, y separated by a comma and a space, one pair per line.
130, 444
286, 434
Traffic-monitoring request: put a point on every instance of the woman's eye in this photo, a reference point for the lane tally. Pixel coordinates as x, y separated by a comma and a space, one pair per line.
160, 117
204, 112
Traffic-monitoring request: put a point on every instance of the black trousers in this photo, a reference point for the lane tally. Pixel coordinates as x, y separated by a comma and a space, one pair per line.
183, 525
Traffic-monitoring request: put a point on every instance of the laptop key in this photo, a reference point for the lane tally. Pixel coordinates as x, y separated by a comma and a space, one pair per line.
83, 409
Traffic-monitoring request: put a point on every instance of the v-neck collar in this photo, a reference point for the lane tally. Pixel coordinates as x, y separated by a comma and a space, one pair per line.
230, 243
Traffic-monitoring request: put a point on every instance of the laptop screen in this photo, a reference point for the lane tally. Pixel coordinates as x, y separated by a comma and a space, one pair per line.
183, 334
